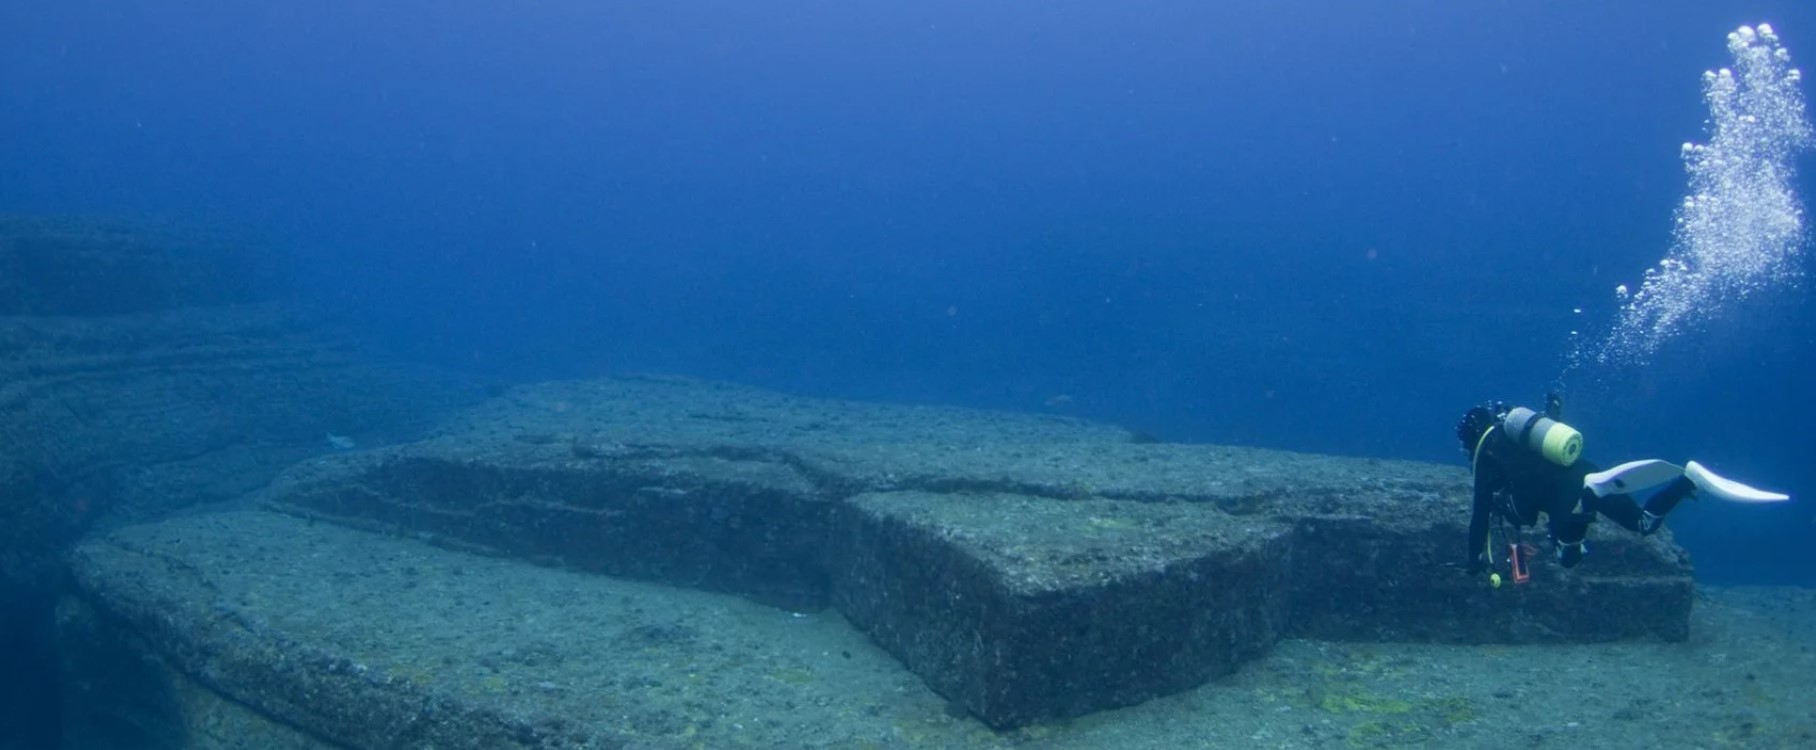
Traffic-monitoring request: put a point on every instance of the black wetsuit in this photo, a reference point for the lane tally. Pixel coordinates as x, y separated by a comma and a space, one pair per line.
1517, 484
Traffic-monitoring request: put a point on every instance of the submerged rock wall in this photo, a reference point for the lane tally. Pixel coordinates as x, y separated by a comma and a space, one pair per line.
150, 368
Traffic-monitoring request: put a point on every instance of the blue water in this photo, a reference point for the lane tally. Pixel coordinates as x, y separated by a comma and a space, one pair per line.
1295, 223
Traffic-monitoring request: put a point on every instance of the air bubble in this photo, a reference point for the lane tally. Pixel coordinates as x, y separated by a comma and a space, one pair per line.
1739, 229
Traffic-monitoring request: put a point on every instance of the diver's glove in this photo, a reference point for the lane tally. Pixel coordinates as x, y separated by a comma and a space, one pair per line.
1477, 565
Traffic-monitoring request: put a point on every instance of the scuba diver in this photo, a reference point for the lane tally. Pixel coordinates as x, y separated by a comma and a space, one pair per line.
1526, 463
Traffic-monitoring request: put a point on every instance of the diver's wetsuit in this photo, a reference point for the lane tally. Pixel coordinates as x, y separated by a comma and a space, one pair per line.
1517, 484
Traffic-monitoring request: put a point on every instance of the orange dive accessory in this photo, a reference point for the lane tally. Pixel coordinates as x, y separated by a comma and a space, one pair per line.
1516, 560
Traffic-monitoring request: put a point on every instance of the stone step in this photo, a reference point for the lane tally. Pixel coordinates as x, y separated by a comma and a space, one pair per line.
256, 629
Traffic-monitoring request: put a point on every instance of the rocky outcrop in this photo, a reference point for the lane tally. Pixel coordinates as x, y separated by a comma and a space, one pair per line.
84, 268
1027, 568
145, 369
762, 553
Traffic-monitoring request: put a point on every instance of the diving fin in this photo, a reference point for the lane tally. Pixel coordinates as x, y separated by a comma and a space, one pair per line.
1633, 476
1728, 489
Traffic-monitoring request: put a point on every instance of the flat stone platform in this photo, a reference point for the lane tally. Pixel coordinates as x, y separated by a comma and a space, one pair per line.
257, 629
1025, 568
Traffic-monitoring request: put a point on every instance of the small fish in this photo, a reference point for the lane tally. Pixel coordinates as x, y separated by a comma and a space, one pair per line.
341, 442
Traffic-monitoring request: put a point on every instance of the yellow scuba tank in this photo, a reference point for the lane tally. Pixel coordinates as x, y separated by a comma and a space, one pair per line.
1559, 443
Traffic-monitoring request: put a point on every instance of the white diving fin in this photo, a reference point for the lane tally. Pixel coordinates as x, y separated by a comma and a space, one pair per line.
1634, 476
1728, 489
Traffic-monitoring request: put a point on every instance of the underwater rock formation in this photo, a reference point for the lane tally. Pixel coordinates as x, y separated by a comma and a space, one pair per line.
1026, 568
150, 368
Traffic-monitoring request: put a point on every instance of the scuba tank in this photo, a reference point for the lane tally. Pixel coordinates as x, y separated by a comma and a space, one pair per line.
1543, 434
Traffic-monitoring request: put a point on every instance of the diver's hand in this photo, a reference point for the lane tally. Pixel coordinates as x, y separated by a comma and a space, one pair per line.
1477, 565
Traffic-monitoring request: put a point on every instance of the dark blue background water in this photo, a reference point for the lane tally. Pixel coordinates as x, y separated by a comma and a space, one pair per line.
1303, 224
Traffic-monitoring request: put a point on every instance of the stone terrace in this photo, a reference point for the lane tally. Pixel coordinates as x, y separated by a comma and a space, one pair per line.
1026, 568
